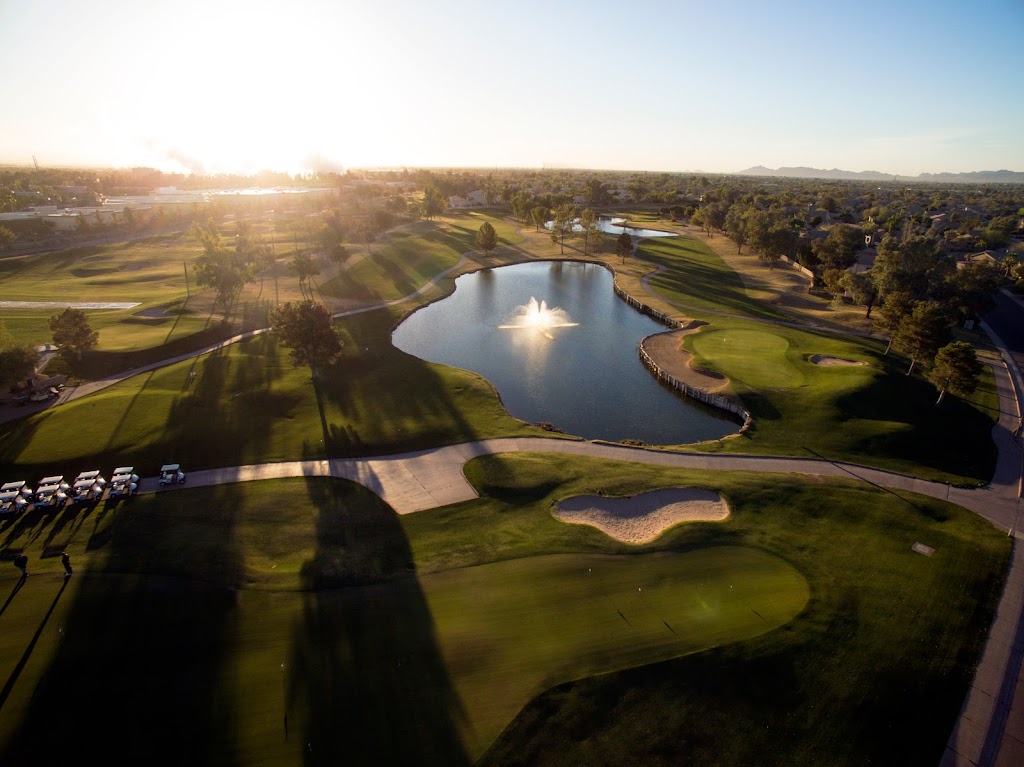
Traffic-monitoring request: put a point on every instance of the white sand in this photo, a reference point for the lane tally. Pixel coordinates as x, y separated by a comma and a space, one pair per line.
826, 361
642, 518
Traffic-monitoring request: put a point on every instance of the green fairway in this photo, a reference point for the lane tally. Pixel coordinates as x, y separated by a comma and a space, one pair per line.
148, 271
696, 278
404, 261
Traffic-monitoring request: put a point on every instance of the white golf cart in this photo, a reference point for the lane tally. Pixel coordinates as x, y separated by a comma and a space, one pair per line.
20, 487
171, 473
12, 502
88, 486
123, 482
52, 492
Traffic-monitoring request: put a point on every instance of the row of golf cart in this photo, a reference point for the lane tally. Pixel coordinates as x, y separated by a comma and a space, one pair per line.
88, 486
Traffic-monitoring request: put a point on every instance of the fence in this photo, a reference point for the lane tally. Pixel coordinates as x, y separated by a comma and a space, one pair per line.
664, 319
795, 265
713, 400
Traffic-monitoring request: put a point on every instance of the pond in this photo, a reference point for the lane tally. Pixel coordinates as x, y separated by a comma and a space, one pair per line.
560, 348
615, 226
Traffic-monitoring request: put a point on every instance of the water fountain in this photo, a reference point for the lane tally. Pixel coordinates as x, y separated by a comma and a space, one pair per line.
538, 317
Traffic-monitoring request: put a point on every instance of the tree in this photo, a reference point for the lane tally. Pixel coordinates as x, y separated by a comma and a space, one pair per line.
595, 192
383, 220
922, 333
895, 307
771, 239
956, 369
7, 237
562, 226
328, 237
839, 249
305, 328
539, 216
834, 281
590, 232
624, 245
305, 266
17, 360
914, 266
1006, 265
710, 217
367, 234
433, 203
72, 334
219, 268
736, 223
970, 292
486, 237
863, 289
339, 254
521, 203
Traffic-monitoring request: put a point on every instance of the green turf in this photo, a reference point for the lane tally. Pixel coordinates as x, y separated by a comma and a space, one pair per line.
871, 414
149, 271
216, 611
699, 281
249, 404
756, 359
405, 260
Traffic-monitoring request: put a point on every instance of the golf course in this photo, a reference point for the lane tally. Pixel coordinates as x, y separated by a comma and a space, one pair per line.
821, 621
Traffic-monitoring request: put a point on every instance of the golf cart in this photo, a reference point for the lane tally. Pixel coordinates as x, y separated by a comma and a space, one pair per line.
88, 486
12, 502
123, 482
171, 473
20, 487
52, 491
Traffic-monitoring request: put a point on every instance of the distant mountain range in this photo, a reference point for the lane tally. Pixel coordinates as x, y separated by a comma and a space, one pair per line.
979, 177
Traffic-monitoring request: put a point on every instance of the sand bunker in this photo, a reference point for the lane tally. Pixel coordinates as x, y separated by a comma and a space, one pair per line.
826, 361
642, 518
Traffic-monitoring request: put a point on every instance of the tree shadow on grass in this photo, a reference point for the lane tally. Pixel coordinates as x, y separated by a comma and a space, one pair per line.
136, 678
378, 400
366, 682
955, 438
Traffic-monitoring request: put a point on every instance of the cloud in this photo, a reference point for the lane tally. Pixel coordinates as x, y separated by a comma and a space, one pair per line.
196, 167
317, 163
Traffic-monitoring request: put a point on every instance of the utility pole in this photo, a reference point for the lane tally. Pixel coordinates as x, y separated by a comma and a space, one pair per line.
187, 294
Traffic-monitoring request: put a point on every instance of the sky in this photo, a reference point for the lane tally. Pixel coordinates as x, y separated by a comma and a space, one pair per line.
897, 86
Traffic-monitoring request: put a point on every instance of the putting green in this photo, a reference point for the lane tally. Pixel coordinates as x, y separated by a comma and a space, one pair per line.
501, 634
752, 357
525, 625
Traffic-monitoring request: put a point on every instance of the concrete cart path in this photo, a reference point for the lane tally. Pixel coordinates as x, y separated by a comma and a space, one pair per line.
411, 482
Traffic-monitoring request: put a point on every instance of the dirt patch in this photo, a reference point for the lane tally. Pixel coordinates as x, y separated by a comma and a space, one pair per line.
666, 350
642, 518
826, 361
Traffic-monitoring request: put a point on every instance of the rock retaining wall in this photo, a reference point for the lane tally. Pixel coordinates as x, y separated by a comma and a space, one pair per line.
714, 400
